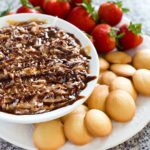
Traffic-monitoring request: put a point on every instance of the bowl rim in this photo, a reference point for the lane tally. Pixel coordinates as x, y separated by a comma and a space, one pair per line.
54, 114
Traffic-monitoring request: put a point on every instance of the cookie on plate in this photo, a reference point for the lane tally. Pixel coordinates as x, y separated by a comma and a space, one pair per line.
98, 123
125, 84
76, 131
98, 97
120, 106
123, 69
49, 135
118, 57
82, 109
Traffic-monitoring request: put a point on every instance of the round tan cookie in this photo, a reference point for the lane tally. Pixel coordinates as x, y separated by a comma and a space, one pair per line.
107, 77
141, 80
118, 57
141, 59
76, 131
98, 123
80, 110
104, 65
98, 97
123, 69
49, 135
125, 84
120, 106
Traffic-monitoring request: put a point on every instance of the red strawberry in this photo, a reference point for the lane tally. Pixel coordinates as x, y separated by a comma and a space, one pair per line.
24, 9
104, 38
27, 7
131, 37
111, 12
57, 8
83, 17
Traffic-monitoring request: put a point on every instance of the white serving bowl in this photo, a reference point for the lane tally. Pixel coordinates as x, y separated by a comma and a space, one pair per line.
94, 69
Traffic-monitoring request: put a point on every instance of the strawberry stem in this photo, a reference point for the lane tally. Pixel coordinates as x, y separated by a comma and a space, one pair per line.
135, 28
26, 3
119, 36
118, 3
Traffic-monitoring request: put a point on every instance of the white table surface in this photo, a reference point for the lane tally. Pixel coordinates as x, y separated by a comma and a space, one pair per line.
140, 13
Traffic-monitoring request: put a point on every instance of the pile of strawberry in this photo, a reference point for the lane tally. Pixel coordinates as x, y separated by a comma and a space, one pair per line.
99, 25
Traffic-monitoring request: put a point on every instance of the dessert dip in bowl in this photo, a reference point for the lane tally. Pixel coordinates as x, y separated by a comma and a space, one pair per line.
48, 67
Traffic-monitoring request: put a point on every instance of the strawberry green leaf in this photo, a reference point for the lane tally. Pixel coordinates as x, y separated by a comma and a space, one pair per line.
85, 1
88, 6
135, 28
4, 13
120, 5
119, 36
26, 3
113, 32
90, 9
125, 10
95, 16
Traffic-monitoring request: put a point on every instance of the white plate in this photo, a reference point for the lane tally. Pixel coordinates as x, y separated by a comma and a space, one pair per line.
21, 135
